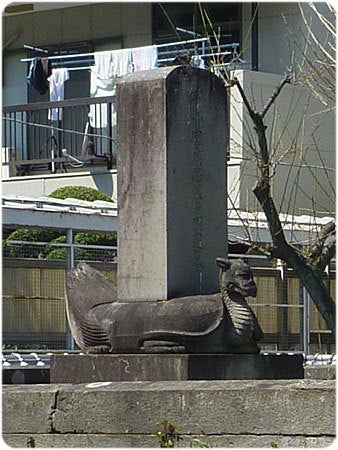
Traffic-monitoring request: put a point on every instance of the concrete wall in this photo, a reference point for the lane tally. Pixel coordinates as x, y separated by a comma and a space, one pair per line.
301, 138
130, 22
265, 413
280, 28
43, 185
14, 80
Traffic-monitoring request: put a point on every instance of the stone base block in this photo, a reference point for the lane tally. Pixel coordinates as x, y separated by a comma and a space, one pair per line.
149, 441
320, 372
231, 413
25, 376
163, 367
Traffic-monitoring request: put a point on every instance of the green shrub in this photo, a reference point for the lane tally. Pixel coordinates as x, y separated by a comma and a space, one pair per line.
81, 193
32, 235
40, 235
51, 252
28, 235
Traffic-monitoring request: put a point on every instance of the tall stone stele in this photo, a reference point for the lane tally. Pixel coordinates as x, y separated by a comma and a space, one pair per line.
172, 144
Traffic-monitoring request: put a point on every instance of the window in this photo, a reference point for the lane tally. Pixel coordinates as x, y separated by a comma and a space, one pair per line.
224, 17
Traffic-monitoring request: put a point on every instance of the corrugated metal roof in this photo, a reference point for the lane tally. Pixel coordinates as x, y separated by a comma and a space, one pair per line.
49, 212
297, 229
57, 205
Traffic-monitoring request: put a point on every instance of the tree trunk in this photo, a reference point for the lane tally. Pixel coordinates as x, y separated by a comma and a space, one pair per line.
309, 276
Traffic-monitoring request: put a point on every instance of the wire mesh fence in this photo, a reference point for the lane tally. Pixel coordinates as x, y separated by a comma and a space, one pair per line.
286, 313
34, 314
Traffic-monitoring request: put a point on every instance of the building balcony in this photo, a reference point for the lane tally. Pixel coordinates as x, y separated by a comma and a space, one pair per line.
59, 137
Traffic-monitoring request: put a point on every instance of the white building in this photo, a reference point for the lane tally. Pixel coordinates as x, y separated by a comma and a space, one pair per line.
301, 135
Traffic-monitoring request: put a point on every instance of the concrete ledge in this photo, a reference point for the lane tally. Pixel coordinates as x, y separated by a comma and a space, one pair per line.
132, 441
127, 412
320, 372
28, 408
165, 367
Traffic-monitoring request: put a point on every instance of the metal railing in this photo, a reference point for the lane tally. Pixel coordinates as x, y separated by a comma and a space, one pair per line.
84, 133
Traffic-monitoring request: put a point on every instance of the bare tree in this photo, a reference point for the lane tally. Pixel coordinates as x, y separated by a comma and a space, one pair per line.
308, 265
315, 70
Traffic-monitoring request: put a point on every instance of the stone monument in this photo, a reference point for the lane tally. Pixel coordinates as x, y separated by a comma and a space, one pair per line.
172, 133
211, 323
167, 309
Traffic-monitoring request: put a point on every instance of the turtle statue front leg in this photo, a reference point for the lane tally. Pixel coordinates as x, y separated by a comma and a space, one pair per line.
98, 349
157, 346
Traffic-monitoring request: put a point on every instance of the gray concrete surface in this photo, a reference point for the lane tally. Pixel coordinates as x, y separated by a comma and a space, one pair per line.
167, 367
143, 441
327, 372
285, 412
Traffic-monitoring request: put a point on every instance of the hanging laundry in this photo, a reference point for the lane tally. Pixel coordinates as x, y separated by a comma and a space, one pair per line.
57, 91
122, 62
102, 72
39, 71
198, 61
145, 58
109, 65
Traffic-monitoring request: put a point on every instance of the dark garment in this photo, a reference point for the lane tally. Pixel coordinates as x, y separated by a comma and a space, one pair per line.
39, 72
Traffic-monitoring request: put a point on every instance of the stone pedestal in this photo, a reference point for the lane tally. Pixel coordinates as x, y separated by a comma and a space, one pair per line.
171, 159
162, 367
320, 372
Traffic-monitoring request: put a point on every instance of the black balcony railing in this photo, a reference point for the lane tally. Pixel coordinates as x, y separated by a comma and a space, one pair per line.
60, 136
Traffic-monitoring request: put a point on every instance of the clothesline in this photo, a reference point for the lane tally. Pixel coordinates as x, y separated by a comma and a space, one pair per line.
78, 55
112, 64
163, 59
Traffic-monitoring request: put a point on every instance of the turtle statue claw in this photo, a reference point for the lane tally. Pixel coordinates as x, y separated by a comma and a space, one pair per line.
214, 323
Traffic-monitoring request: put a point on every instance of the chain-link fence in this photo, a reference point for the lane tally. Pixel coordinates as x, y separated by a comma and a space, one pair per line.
34, 315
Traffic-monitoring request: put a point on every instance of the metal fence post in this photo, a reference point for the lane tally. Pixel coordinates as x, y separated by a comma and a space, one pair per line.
306, 321
70, 265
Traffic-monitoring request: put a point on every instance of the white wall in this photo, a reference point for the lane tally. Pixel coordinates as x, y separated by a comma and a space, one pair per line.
281, 33
43, 185
14, 80
301, 139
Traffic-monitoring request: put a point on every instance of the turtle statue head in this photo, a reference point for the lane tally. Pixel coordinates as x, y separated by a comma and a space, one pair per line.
236, 276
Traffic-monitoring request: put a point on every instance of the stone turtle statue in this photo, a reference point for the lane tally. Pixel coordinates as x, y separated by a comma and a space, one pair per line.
215, 323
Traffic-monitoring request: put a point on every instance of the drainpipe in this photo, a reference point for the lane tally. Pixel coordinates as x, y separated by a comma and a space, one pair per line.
254, 36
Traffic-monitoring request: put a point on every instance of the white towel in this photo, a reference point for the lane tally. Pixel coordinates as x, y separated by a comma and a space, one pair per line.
122, 62
57, 91
109, 65
144, 58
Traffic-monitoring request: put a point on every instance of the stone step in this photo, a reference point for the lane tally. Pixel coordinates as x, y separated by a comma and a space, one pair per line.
130, 411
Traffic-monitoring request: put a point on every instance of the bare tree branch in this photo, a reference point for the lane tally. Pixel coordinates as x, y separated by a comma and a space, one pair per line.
328, 253
286, 80
310, 275
322, 252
